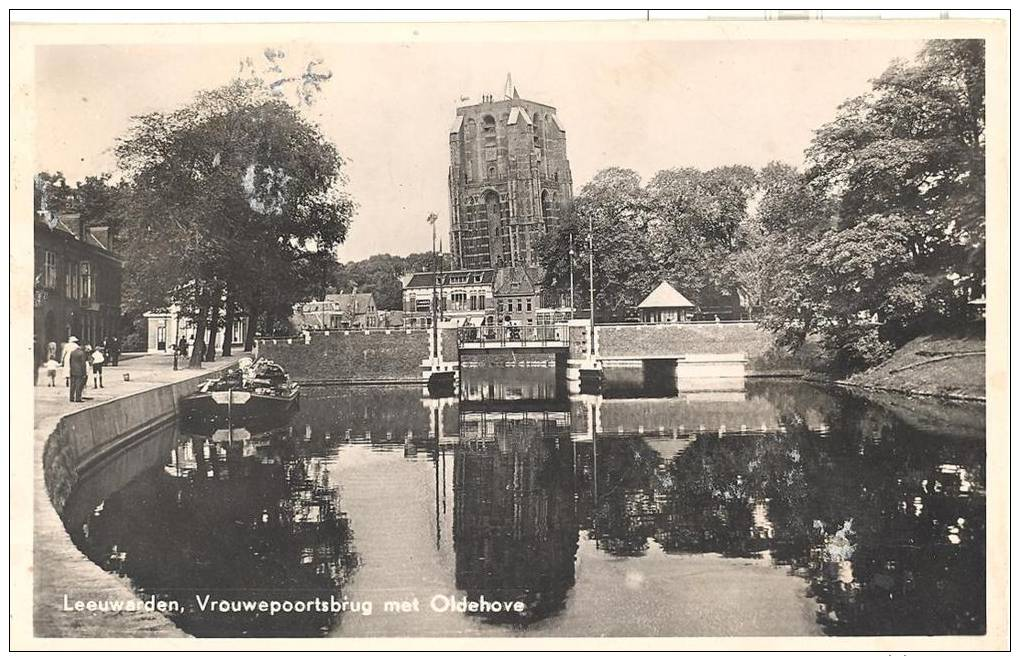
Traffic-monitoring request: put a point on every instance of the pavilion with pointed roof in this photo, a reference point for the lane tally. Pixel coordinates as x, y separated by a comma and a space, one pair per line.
665, 305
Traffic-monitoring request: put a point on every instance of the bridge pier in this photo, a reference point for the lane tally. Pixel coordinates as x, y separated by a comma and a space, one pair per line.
701, 372
439, 372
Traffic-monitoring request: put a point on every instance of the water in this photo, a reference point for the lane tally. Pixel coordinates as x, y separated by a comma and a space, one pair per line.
778, 509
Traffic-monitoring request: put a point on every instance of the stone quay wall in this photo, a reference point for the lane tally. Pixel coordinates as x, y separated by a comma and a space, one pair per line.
354, 356
85, 439
664, 340
77, 450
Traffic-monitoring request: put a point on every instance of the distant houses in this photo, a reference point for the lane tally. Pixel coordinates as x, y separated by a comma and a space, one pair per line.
337, 311
477, 297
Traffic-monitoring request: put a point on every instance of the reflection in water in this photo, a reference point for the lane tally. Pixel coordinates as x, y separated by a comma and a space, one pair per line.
252, 519
514, 529
621, 513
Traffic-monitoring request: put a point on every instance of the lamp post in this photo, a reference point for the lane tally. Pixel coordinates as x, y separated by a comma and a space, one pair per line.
571, 275
591, 288
432, 218
177, 335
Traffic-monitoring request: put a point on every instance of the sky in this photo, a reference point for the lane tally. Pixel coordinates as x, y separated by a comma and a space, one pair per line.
646, 105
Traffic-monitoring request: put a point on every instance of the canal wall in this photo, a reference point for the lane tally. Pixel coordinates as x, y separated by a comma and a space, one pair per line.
354, 356
70, 452
650, 340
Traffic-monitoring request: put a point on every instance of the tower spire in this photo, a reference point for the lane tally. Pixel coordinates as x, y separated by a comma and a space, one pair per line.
508, 89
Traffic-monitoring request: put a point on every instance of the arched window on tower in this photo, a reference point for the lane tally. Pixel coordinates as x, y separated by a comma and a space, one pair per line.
489, 137
547, 204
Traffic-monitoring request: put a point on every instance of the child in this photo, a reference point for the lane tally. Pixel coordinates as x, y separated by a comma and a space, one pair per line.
51, 369
97, 367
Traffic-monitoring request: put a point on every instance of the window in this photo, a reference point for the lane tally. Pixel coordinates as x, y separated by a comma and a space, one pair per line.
423, 305
499, 305
86, 279
71, 283
492, 172
520, 306
529, 305
49, 269
474, 302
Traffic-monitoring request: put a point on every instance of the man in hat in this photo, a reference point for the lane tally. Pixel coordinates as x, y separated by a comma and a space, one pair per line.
76, 370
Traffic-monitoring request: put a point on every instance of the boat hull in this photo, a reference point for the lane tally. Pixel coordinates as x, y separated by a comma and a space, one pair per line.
237, 404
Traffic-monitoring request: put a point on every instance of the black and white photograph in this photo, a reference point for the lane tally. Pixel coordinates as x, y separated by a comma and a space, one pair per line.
663, 329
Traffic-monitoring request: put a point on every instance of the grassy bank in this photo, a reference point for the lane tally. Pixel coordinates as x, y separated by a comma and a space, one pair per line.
951, 366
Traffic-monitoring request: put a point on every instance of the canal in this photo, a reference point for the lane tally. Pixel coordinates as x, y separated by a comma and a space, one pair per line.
775, 509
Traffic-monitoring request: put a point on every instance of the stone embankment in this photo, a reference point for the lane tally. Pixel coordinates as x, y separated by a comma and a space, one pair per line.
351, 356
72, 443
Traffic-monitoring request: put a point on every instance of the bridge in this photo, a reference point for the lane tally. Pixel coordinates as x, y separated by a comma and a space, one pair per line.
704, 355
484, 338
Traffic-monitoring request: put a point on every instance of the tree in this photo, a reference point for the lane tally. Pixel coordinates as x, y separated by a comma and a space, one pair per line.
904, 165
697, 223
914, 146
619, 210
230, 196
784, 215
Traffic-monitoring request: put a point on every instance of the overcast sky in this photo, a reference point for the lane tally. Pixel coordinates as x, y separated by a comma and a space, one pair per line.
645, 106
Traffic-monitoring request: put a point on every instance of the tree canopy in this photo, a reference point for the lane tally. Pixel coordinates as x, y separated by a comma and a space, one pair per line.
904, 165
237, 199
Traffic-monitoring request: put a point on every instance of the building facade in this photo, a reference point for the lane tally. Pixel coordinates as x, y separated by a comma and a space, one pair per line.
509, 180
77, 282
338, 311
518, 294
164, 329
463, 297
666, 305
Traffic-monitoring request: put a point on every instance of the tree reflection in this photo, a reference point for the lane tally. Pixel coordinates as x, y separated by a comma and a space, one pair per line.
254, 518
886, 522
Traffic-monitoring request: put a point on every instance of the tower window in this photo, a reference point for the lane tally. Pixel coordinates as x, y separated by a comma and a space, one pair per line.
492, 172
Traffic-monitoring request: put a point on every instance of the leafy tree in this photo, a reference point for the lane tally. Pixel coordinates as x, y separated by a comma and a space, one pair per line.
619, 211
697, 225
51, 192
914, 146
784, 214
904, 165
232, 196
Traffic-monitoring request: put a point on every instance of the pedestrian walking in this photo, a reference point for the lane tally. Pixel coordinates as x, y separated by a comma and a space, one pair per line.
65, 362
183, 347
98, 360
88, 364
51, 369
76, 366
113, 351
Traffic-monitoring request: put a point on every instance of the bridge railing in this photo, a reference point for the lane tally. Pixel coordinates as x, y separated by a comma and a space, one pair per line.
496, 336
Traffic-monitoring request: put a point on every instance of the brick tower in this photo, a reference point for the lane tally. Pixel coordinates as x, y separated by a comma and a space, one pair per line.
509, 180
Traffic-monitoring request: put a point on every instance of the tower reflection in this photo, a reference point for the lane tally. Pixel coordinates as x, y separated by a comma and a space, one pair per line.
515, 526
